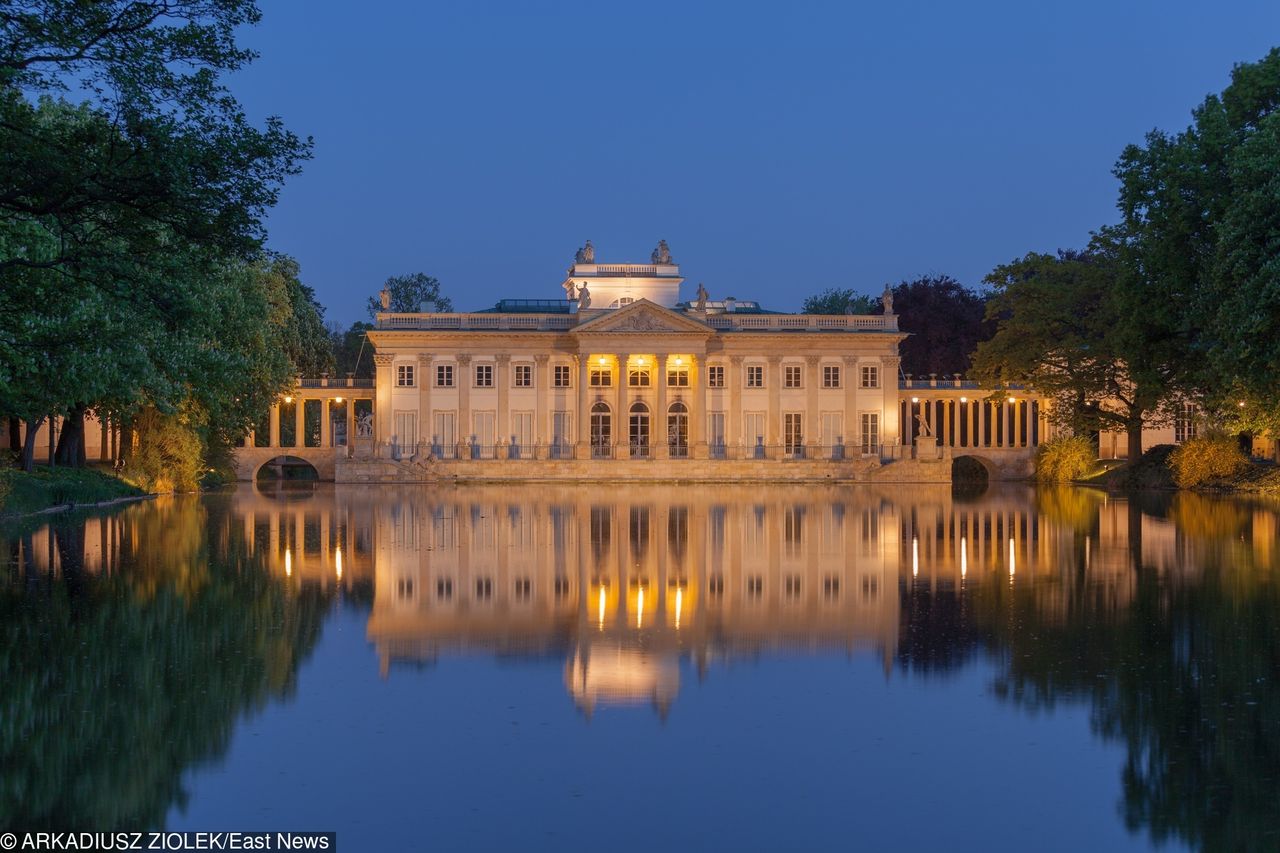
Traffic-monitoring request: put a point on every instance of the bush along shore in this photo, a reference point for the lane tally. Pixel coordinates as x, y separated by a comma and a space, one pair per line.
50, 488
1212, 463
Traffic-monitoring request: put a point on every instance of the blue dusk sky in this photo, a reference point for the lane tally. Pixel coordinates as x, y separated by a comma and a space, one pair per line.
779, 148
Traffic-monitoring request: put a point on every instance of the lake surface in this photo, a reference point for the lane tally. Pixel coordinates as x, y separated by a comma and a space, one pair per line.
650, 668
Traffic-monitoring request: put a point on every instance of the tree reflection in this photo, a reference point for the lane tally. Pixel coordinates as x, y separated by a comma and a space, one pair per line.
116, 682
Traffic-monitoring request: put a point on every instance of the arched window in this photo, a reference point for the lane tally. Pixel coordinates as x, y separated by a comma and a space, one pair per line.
601, 430
678, 430
621, 301
639, 430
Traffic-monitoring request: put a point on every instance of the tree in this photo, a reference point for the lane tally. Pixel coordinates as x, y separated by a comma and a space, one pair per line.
839, 301
1064, 327
945, 320
408, 293
351, 350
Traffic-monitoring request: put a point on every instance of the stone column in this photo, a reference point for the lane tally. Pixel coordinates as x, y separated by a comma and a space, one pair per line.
812, 417
622, 418
1004, 417
733, 429
502, 430
659, 423
324, 422
464, 406
890, 428
542, 389
425, 380
382, 403
851, 420
300, 421
982, 423
583, 416
273, 421
773, 418
698, 407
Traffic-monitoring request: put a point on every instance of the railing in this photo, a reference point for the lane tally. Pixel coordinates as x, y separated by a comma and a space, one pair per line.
802, 322
334, 382
470, 322
565, 450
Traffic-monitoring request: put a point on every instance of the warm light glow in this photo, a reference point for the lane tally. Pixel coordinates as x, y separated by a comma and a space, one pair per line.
964, 399
288, 399
640, 360
1012, 400
679, 360
1013, 561
640, 608
915, 399
679, 605
964, 557
915, 556
600, 615
337, 562
601, 359
337, 399
288, 563
1242, 404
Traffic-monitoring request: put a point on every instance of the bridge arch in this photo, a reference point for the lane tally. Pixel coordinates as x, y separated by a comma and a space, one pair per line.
973, 468
285, 466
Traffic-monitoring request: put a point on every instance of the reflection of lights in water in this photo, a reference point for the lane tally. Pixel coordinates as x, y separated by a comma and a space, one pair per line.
964, 557
1013, 561
640, 608
600, 615
679, 605
288, 563
915, 556
1086, 552
337, 562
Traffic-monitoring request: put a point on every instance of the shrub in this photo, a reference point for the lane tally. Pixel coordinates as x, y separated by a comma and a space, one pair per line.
1065, 459
1210, 457
169, 454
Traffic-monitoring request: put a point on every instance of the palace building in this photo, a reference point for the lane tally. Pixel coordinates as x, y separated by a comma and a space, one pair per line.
621, 368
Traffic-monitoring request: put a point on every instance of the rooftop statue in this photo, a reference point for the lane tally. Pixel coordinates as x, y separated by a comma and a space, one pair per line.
585, 255
584, 296
886, 299
385, 296
702, 297
570, 290
662, 254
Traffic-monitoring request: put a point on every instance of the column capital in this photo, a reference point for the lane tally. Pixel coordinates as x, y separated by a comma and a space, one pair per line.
774, 360
812, 360
382, 359
735, 360
890, 362
424, 358
464, 359
542, 358
502, 359
851, 360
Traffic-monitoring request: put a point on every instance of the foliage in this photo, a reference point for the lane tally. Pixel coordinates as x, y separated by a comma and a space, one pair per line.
352, 352
835, 300
1206, 458
21, 492
169, 456
1064, 460
408, 293
946, 322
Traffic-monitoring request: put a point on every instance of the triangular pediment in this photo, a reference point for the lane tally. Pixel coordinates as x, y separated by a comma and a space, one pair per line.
643, 317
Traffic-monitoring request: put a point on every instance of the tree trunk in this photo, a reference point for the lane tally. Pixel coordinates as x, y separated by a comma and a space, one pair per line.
1133, 428
125, 449
70, 450
29, 445
15, 440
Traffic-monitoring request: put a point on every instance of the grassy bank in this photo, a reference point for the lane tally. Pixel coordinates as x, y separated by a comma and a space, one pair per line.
50, 487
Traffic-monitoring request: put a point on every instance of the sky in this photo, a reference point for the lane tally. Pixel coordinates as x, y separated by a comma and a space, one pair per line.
780, 149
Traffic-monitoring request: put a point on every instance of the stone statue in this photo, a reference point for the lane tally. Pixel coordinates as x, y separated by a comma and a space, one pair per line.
922, 427
702, 298
886, 299
585, 255
364, 425
584, 297
385, 296
662, 254
570, 290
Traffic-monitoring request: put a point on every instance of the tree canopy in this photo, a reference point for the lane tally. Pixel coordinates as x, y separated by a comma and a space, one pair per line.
945, 321
835, 300
409, 293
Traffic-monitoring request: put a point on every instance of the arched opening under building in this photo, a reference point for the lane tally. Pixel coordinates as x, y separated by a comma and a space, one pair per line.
970, 475
287, 469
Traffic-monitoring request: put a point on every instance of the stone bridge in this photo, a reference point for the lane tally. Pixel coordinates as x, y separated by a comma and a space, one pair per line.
314, 424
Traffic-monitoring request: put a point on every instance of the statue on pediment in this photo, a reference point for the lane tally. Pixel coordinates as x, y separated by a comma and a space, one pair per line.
662, 254
886, 299
584, 296
585, 255
702, 298
570, 290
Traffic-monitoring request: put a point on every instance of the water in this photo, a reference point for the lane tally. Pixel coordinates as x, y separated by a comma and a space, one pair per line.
684, 668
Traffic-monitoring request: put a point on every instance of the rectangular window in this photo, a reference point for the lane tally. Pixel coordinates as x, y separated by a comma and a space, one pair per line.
561, 434
870, 422
870, 376
524, 376
753, 429
561, 376
1184, 423
406, 429
715, 376
755, 375
793, 433
638, 377
404, 375
522, 434
830, 376
715, 433
791, 376
444, 375
678, 377
832, 429
601, 377
444, 435
484, 375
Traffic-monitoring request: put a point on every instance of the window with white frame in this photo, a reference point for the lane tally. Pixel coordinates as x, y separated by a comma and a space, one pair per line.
404, 375
1184, 423
755, 375
484, 375
870, 376
791, 376
678, 376
830, 376
444, 375
715, 376
523, 376
638, 377
560, 376
870, 423
601, 377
